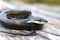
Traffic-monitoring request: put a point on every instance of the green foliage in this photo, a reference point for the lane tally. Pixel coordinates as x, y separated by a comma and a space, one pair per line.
43, 1
57, 2
29, 1
52, 1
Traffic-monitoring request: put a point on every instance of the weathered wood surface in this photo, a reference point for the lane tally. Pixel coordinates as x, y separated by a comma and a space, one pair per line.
51, 31
47, 33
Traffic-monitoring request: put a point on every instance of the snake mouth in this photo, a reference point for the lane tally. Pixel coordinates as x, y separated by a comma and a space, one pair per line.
18, 14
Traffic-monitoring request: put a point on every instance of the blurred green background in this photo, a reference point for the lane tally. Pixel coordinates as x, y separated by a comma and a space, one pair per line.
56, 2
